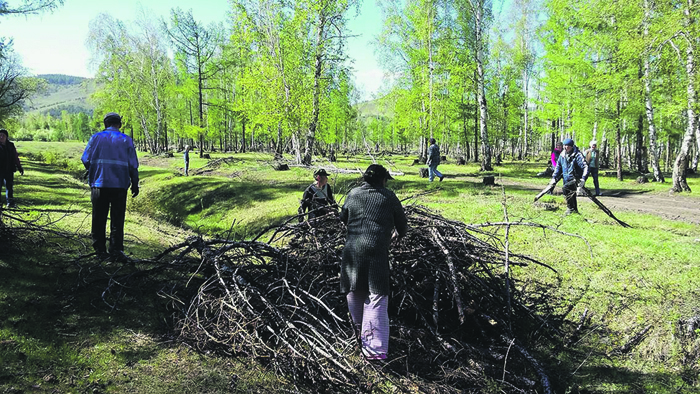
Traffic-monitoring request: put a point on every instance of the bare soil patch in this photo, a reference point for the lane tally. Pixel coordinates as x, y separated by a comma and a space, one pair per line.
668, 206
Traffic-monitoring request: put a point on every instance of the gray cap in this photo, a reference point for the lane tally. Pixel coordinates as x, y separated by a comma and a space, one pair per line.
112, 115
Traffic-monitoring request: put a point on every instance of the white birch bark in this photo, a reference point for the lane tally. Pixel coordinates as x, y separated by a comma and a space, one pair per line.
658, 176
681, 163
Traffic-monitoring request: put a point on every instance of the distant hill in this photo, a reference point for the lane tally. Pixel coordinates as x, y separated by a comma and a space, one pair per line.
374, 108
65, 92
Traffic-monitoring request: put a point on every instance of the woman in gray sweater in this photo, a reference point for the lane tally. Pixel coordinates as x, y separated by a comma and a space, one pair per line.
371, 212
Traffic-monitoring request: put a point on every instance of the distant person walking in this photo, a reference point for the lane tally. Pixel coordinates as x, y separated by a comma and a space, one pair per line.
112, 165
318, 197
591, 155
186, 156
9, 163
571, 166
555, 154
433, 161
371, 212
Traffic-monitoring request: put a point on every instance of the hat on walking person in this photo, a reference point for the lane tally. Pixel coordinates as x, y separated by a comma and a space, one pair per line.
568, 141
593, 143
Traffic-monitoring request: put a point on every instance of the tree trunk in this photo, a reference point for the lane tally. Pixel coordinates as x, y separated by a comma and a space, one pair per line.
243, 137
619, 145
639, 151
649, 108
526, 79
681, 163
316, 109
476, 131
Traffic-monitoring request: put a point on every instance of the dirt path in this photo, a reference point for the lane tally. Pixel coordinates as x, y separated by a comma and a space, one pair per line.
672, 207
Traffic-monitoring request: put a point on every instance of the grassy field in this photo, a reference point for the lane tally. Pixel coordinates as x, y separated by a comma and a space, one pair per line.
58, 335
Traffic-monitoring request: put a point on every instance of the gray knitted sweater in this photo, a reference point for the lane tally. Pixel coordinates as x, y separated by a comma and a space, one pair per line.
371, 213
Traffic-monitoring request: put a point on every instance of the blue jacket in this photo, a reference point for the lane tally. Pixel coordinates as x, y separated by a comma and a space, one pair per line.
572, 167
433, 155
110, 158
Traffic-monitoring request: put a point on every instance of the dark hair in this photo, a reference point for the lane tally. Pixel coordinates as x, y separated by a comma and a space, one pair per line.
113, 122
375, 175
432, 140
3, 131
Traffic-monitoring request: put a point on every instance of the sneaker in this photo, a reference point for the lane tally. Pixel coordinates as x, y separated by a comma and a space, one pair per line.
11, 205
442, 177
570, 211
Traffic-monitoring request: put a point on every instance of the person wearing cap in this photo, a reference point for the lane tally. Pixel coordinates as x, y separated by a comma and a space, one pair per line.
9, 164
318, 197
186, 156
371, 213
572, 167
433, 161
591, 155
112, 166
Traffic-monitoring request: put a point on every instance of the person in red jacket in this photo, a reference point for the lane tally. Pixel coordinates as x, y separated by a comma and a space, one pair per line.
9, 163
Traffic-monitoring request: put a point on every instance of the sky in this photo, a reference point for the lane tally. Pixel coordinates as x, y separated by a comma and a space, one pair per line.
54, 42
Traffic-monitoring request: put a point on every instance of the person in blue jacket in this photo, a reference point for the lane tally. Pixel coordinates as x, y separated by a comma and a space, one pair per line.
572, 167
112, 166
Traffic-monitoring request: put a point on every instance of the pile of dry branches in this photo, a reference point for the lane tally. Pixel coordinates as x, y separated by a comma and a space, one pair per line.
457, 321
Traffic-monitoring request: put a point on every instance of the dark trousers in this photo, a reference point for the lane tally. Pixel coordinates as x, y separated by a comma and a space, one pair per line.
104, 201
593, 171
8, 180
569, 190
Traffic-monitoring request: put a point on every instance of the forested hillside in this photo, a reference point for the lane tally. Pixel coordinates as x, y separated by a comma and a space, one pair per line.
63, 93
61, 79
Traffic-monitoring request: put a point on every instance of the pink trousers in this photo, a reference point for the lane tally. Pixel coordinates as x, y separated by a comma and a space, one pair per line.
370, 315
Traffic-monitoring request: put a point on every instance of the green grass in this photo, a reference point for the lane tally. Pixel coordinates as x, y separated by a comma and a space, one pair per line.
57, 334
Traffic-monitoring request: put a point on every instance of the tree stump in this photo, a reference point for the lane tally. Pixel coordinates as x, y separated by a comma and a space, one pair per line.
167, 154
423, 172
461, 161
489, 181
642, 179
206, 156
443, 158
280, 166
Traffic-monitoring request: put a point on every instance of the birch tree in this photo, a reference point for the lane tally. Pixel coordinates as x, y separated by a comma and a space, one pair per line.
649, 108
329, 19
688, 35
478, 12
